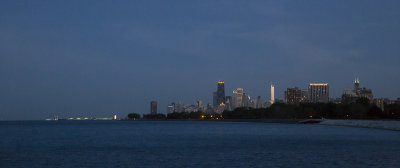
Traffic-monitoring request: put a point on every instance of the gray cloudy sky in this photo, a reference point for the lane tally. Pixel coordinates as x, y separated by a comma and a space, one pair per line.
99, 58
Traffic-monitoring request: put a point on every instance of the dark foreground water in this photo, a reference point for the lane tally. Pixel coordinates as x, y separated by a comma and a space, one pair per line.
193, 144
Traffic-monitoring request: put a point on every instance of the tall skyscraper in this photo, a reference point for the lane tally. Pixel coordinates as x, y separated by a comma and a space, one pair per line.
293, 95
228, 103
245, 101
215, 104
153, 107
237, 98
258, 102
272, 101
351, 96
356, 84
220, 93
362, 92
318, 93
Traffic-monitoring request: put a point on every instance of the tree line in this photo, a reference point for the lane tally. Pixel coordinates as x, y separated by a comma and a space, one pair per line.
361, 109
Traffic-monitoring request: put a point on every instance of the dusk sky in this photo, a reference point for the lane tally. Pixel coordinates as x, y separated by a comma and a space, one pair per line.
100, 58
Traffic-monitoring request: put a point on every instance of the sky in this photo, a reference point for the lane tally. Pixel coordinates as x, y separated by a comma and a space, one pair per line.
99, 58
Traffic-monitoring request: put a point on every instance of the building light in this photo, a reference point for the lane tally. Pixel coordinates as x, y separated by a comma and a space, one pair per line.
318, 84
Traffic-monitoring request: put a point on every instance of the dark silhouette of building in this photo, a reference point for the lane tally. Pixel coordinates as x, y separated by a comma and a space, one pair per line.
293, 95
220, 93
153, 107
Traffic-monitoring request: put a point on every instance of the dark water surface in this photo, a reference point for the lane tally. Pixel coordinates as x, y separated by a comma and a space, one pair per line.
193, 144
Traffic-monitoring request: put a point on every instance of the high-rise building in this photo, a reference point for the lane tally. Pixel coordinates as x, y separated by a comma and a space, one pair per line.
272, 101
363, 92
209, 108
245, 100
318, 93
304, 95
356, 84
178, 107
171, 108
228, 103
351, 96
220, 93
153, 107
199, 103
220, 108
258, 102
237, 98
200, 106
215, 99
348, 96
293, 95
252, 104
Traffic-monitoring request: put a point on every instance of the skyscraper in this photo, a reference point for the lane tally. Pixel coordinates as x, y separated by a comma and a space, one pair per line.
304, 95
178, 107
293, 95
272, 101
356, 84
245, 101
215, 104
237, 98
171, 108
351, 96
153, 107
318, 92
258, 102
199, 104
228, 103
220, 93
363, 92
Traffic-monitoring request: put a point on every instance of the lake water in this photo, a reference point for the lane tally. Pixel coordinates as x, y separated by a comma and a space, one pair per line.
193, 144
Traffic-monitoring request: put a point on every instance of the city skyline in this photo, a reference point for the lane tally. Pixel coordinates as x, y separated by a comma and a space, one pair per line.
315, 93
210, 83
60, 58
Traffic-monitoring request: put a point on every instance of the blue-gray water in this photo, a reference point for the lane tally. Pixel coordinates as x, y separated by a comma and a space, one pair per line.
193, 144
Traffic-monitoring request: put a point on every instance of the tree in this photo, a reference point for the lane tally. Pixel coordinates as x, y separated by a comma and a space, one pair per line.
133, 116
154, 116
374, 112
363, 100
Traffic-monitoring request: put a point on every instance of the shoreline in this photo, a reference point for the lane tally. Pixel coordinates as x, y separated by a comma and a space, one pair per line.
393, 125
283, 121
